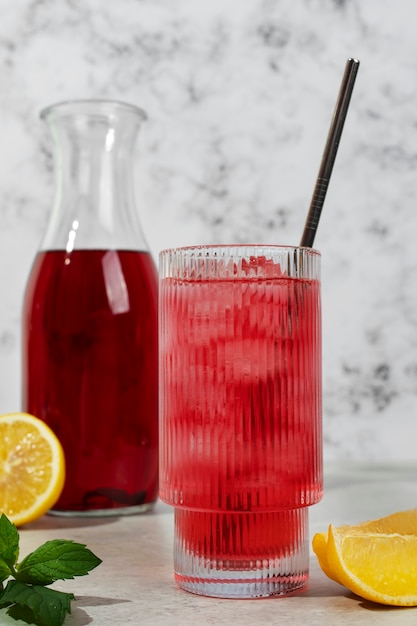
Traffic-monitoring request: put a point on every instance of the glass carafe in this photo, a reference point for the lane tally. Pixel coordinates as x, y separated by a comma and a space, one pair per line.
90, 316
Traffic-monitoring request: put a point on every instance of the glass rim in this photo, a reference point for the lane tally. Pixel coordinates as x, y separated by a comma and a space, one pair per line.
91, 106
234, 246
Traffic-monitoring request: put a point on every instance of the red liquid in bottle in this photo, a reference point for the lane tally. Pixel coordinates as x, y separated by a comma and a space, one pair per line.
90, 371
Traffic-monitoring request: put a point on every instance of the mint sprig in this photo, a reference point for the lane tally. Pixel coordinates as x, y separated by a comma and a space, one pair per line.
27, 597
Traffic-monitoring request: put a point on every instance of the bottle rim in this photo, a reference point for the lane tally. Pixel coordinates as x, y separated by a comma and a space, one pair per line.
93, 106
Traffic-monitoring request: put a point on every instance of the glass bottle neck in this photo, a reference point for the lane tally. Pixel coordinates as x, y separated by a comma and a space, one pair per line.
94, 203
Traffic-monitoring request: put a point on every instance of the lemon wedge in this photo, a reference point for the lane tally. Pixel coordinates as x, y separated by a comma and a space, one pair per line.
377, 559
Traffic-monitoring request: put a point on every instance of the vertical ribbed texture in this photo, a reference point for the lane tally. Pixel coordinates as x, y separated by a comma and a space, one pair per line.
240, 391
243, 555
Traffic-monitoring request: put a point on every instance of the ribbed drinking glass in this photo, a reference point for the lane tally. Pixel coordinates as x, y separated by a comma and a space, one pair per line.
240, 414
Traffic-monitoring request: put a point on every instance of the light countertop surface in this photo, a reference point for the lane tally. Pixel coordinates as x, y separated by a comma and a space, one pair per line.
135, 583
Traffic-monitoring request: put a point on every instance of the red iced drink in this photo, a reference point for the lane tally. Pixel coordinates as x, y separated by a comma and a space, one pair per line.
241, 441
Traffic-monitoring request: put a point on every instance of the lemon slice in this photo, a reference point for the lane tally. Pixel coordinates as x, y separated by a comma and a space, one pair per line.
32, 467
377, 559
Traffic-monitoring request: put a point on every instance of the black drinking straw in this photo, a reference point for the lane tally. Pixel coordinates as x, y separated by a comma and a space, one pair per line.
329, 154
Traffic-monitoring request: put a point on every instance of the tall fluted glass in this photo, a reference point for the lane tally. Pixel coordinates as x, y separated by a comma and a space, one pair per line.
240, 414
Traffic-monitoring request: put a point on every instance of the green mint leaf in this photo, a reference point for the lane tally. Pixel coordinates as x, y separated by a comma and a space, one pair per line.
44, 606
58, 559
24, 613
9, 542
5, 571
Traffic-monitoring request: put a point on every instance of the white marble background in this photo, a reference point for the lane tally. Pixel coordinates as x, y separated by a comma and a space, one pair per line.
240, 95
